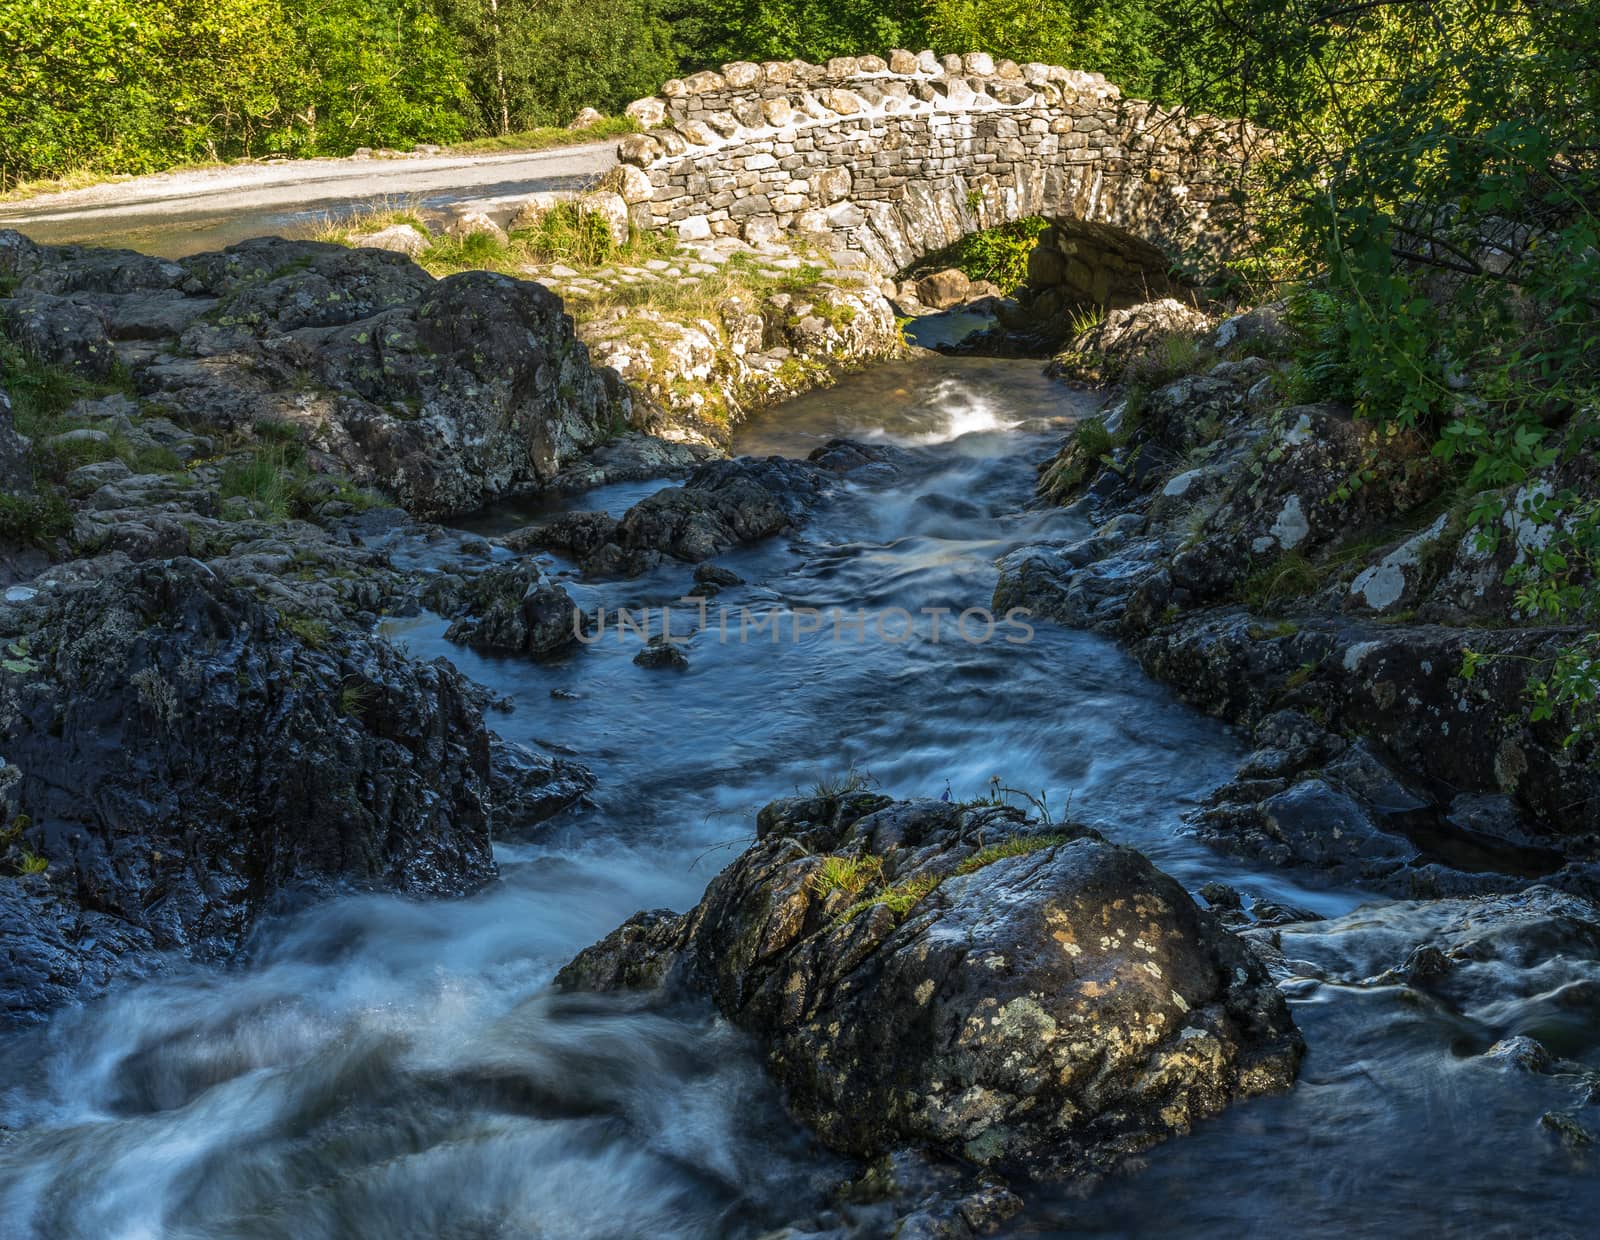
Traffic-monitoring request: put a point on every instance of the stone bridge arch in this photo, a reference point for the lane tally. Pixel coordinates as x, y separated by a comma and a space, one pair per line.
883, 162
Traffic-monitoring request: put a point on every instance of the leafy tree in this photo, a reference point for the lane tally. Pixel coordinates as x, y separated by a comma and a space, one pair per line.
1127, 40
713, 32
375, 73
572, 54
1439, 189
124, 85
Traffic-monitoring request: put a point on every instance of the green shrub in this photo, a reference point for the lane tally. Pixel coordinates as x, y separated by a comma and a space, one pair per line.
567, 233
999, 255
34, 520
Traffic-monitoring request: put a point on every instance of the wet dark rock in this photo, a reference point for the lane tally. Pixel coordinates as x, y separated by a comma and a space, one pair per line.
578, 534
658, 652
1218, 507
54, 949
846, 456
1272, 913
1519, 1053
722, 505
1569, 1128
1309, 823
181, 755
1221, 896
630, 457
714, 574
527, 787
1050, 1006
1521, 965
909, 1193
514, 609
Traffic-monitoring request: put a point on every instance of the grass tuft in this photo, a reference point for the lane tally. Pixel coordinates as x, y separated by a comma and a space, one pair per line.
34, 520
1291, 576
1015, 846
899, 899
847, 874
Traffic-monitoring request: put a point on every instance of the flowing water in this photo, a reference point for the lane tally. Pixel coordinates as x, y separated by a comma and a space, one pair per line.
379, 1067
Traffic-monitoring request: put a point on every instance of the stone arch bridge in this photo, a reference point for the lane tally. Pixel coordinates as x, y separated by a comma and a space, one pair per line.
883, 162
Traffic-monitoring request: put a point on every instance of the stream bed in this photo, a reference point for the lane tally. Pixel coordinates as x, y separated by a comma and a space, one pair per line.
375, 1066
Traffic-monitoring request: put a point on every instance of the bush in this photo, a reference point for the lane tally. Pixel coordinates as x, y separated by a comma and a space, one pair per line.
34, 520
999, 255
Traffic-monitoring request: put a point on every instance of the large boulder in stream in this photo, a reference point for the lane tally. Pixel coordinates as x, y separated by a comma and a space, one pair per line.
512, 609
179, 756
1027, 998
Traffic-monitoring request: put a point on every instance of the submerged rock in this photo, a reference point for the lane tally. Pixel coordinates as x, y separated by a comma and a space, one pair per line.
1518, 973
1032, 999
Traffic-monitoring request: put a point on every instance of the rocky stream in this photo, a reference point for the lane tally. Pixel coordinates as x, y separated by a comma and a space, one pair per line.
971, 860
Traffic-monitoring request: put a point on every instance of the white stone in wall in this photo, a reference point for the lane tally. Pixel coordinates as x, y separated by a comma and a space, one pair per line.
694, 228
647, 113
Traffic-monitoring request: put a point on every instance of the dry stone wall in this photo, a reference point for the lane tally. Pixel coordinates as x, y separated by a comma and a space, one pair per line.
882, 162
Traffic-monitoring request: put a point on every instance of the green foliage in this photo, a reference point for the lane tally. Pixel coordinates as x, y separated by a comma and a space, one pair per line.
34, 520
129, 86
999, 255
899, 899
1570, 691
533, 63
1438, 197
847, 874
1092, 439
39, 394
1117, 39
1014, 846
16, 860
710, 32
314, 633
354, 696
267, 476
567, 233
372, 73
